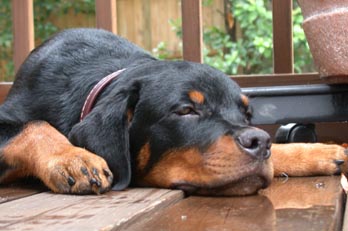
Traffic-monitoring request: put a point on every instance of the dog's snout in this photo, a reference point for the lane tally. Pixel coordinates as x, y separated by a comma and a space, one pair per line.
255, 142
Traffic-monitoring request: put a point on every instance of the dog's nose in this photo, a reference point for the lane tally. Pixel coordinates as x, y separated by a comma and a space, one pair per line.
255, 142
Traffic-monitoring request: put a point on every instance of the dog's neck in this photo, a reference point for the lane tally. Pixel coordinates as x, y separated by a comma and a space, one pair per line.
95, 92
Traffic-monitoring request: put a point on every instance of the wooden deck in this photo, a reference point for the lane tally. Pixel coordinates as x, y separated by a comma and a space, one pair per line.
312, 203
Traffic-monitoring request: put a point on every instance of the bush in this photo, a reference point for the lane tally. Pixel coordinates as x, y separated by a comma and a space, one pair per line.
43, 27
252, 53
248, 53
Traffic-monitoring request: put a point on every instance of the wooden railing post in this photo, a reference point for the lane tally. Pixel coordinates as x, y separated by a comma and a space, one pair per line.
106, 15
23, 30
192, 30
283, 53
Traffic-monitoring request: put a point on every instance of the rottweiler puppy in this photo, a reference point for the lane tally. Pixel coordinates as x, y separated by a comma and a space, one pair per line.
90, 111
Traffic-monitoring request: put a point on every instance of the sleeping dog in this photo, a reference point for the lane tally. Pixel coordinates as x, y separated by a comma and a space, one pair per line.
90, 111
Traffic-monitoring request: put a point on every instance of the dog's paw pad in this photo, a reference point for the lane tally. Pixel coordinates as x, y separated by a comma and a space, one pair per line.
71, 181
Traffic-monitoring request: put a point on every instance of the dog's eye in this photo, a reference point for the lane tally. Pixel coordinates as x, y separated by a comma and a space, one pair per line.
186, 110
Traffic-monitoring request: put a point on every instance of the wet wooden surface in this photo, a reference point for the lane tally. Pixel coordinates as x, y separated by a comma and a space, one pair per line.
313, 203
111, 211
295, 204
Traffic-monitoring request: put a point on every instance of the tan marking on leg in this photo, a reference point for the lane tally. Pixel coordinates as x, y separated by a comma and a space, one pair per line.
307, 159
41, 151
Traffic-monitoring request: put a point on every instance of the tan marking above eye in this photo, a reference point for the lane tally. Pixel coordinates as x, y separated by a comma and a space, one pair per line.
196, 96
245, 100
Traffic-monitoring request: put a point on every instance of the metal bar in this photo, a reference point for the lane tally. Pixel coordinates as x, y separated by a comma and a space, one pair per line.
298, 104
312, 89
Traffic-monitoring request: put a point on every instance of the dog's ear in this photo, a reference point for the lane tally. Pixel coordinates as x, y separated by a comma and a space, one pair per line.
105, 132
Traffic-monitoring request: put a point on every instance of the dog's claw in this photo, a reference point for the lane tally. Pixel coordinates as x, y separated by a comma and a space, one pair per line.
71, 181
84, 171
96, 182
339, 162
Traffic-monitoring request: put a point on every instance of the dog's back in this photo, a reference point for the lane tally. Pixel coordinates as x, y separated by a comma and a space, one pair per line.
72, 61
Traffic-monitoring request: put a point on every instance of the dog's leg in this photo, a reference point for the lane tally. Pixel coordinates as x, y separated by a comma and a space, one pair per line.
40, 150
305, 159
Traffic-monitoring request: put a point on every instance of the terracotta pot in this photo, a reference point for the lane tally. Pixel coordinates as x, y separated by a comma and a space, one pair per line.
326, 27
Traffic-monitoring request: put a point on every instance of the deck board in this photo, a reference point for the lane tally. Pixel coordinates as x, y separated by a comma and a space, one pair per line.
313, 203
110, 211
16, 191
308, 203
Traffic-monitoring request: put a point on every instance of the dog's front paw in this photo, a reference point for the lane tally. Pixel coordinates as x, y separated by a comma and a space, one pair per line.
305, 159
342, 163
332, 159
75, 171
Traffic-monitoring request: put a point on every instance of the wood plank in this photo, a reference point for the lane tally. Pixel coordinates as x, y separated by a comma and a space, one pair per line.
13, 192
313, 203
283, 52
192, 36
110, 211
106, 15
23, 30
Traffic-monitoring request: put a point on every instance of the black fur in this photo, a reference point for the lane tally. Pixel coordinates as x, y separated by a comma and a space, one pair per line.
56, 78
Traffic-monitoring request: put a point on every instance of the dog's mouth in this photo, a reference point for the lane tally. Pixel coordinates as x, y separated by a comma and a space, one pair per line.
248, 185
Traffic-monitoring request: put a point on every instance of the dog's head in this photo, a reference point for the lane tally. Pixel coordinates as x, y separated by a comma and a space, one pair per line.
178, 125
189, 130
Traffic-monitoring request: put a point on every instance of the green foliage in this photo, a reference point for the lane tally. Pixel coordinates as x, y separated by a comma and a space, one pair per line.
161, 51
43, 10
6, 38
252, 53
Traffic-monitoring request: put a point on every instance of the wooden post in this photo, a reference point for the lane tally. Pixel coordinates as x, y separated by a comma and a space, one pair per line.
192, 30
283, 53
23, 30
106, 15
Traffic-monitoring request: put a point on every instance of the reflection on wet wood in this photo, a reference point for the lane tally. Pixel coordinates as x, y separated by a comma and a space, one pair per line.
304, 192
314, 203
203, 213
111, 211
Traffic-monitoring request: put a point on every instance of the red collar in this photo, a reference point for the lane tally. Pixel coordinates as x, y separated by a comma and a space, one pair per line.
94, 93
